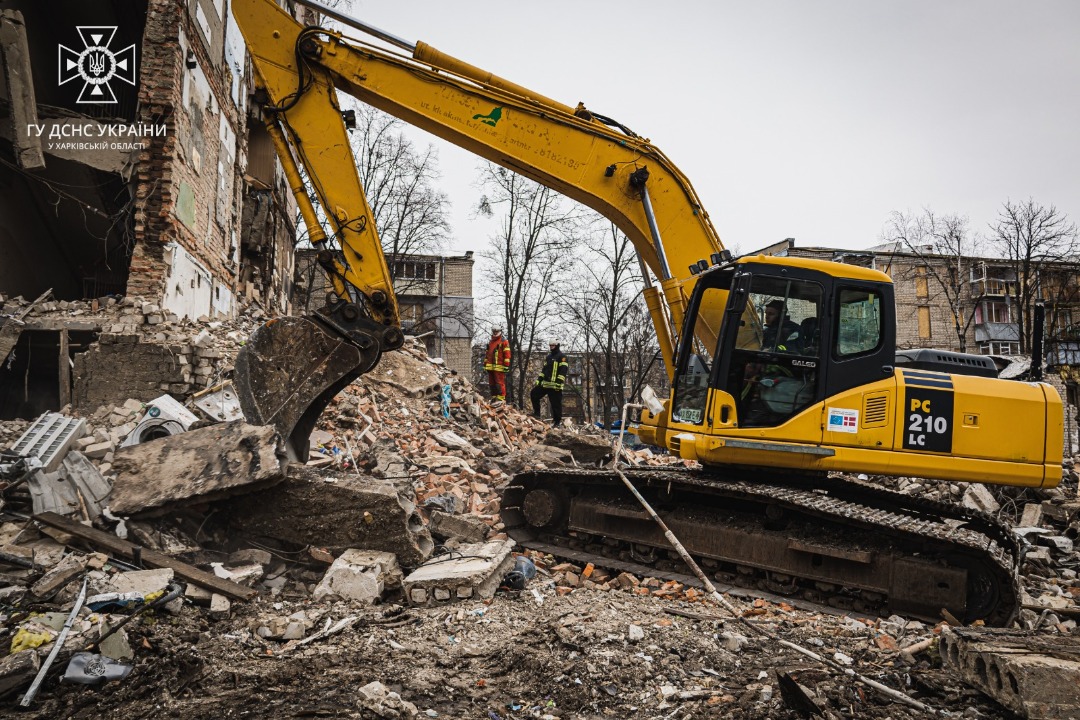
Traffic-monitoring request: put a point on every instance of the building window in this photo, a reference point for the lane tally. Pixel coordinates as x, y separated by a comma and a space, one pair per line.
411, 314
993, 312
924, 323
922, 291
414, 270
999, 348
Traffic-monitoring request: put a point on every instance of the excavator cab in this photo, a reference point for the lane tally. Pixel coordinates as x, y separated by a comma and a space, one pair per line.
793, 334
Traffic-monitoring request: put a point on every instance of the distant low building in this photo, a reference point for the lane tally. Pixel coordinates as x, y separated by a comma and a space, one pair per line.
434, 294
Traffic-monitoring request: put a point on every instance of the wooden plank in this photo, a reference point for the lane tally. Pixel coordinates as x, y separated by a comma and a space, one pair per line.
65, 370
149, 558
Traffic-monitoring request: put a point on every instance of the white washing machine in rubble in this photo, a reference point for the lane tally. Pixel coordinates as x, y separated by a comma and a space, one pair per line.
163, 417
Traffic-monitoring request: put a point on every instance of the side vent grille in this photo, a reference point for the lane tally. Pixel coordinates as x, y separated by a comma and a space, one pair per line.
875, 410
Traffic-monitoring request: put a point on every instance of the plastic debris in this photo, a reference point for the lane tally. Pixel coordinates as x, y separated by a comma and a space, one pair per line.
92, 669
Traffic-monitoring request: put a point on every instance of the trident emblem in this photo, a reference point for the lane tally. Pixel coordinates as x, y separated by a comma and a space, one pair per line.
96, 64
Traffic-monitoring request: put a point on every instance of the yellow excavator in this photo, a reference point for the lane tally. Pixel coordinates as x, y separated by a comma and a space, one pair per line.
784, 371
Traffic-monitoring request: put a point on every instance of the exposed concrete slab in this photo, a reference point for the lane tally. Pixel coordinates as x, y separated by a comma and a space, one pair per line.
1037, 677
473, 572
467, 528
15, 58
197, 466
360, 576
310, 508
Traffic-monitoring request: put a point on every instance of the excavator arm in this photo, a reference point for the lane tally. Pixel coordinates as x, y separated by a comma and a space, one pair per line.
293, 367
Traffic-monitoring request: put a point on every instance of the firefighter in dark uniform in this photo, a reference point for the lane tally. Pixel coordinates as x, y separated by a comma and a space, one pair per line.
550, 383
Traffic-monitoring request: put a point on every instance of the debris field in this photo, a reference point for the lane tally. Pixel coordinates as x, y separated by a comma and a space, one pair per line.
158, 556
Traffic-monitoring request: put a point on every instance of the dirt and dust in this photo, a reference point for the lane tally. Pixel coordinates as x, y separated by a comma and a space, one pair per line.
527, 654
575, 643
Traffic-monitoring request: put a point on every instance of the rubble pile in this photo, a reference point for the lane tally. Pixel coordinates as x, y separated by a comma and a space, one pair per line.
376, 580
201, 351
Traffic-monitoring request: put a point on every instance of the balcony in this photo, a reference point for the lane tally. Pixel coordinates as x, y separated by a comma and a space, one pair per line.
997, 332
992, 287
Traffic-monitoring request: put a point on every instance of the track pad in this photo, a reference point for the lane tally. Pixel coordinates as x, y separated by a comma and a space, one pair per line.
288, 372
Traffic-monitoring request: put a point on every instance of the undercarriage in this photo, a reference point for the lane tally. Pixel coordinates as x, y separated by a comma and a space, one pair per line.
832, 541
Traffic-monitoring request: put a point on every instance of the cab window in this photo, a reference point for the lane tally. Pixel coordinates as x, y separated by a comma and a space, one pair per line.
695, 365
859, 322
773, 373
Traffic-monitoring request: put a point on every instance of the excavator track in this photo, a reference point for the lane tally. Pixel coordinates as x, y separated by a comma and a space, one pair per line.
827, 540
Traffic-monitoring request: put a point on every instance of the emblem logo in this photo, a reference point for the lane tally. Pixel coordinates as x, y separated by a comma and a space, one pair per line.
96, 64
492, 118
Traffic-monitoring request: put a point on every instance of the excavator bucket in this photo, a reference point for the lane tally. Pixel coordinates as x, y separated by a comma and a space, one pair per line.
288, 372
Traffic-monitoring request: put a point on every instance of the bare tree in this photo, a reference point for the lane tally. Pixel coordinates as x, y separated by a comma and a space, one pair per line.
601, 307
946, 250
1032, 238
400, 182
532, 255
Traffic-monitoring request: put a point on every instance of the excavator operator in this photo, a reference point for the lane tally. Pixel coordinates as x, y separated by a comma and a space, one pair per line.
779, 329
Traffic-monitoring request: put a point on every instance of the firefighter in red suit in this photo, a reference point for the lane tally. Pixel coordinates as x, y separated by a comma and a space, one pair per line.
497, 364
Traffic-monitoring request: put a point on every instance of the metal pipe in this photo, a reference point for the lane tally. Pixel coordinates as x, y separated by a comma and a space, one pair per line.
665, 272
58, 643
1037, 342
358, 24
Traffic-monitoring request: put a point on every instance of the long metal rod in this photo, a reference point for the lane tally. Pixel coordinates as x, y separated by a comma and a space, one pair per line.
58, 644
724, 603
358, 24
665, 272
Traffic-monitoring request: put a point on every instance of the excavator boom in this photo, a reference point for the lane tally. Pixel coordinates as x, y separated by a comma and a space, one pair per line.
584, 156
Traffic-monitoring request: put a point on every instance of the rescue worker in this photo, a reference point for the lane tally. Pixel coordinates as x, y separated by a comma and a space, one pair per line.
781, 333
497, 364
551, 381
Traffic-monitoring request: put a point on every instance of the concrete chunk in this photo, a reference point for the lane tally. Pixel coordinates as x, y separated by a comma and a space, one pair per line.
467, 528
1035, 677
349, 512
359, 575
143, 582
585, 448
220, 606
18, 670
1032, 515
475, 573
196, 466
977, 497
60, 575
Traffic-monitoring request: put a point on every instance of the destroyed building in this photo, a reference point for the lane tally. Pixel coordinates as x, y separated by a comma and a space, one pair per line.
435, 299
131, 165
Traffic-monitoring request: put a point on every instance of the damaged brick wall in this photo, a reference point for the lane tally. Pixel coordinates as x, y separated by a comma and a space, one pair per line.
189, 184
154, 194
267, 236
119, 366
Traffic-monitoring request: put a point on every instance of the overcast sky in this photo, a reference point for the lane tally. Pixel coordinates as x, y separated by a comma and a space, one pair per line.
794, 118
